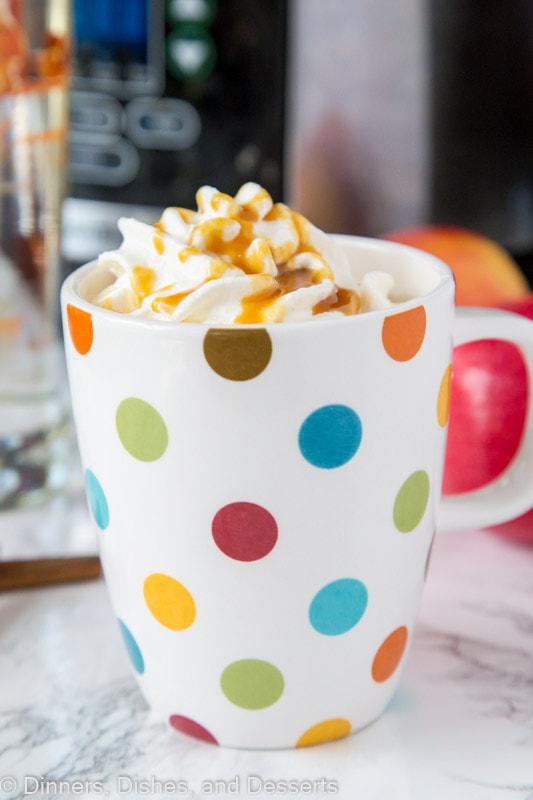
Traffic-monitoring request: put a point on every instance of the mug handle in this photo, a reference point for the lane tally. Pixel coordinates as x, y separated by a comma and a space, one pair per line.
511, 493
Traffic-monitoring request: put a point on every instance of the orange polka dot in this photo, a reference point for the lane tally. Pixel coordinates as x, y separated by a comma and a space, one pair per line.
80, 324
402, 334
325, 731
389, 655
443, 399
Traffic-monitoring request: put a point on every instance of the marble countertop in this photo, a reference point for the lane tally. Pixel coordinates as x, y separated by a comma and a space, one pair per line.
73, 724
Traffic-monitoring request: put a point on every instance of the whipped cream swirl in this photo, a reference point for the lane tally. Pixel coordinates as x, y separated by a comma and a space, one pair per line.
242, 259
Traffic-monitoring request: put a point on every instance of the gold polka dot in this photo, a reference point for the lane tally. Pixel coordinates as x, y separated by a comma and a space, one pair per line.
238, 355
325, 731
443, 399
169, 601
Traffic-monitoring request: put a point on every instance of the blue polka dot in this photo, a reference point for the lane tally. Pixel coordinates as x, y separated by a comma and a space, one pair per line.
132, 647
97, 499
338, 606
330, 436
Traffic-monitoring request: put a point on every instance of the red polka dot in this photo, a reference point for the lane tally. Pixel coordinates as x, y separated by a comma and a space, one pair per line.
244, 531
191, 728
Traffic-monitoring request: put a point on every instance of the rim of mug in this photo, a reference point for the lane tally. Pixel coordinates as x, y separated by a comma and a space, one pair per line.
70, 294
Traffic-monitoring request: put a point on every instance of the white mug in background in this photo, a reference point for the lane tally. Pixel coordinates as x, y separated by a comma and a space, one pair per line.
266, 497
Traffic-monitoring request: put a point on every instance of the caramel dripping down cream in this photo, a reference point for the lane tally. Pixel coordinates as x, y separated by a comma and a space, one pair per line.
235, 260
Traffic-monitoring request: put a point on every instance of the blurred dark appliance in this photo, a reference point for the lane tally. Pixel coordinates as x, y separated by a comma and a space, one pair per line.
168, 96
482, 118
407, 113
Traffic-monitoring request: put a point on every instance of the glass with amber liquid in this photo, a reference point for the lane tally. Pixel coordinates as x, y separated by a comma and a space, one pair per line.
35, 433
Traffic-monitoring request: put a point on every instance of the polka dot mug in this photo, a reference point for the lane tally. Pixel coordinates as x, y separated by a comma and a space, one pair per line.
266, 497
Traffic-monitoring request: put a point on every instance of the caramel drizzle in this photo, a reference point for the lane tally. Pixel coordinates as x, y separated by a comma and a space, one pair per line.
228, 238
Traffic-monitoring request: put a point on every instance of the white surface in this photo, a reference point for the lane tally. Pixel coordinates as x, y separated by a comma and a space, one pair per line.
460, 726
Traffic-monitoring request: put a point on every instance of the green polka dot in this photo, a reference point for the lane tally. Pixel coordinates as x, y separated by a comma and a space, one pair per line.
237, 355
141, 429
251, 683
411, 501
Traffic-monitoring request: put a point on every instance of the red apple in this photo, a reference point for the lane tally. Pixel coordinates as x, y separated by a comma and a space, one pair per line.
523, 306
487, 413
521, 528
490, 393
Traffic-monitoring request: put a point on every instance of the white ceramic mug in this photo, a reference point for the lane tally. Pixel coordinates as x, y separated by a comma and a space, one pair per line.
266, 497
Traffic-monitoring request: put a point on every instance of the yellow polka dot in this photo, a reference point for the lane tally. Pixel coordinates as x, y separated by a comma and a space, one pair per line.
443, 399
325, 731
169, 601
